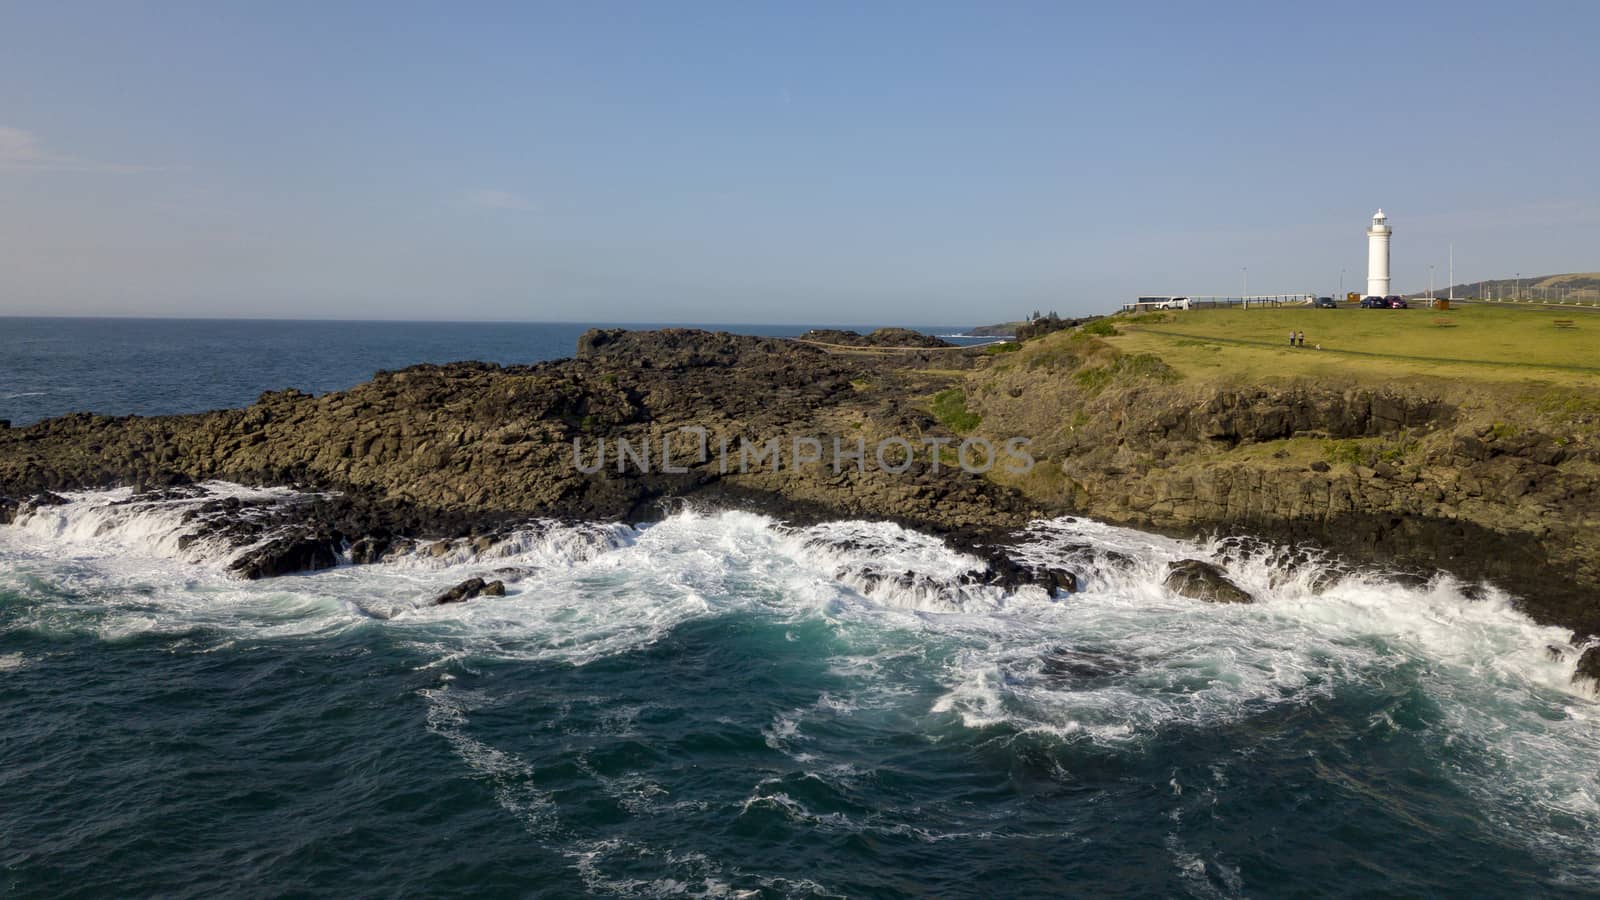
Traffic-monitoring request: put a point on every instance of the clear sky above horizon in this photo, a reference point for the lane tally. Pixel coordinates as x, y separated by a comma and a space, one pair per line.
797, 163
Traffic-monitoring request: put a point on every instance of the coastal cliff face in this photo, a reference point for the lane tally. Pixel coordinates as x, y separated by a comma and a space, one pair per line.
1423, 474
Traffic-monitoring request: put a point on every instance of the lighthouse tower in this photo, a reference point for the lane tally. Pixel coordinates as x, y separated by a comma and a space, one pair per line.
1378, 256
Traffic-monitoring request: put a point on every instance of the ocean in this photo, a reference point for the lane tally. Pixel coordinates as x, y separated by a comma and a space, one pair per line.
51, 367
721, 705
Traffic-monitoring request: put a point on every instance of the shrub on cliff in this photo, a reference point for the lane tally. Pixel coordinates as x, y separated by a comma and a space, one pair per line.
1050, 324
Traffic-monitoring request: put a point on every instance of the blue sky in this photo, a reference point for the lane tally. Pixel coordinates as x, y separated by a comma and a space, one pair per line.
788, 163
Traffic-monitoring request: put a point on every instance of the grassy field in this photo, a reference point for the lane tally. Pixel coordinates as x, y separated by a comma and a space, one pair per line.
1475, 343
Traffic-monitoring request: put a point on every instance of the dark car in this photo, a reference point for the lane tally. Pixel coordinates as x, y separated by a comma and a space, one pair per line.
1374, 303
1326, 303
1396, 302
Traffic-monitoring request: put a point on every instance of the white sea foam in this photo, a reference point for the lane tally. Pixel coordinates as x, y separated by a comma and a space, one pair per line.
690, 874
1117, 664
507, 774
117, 523
544, 542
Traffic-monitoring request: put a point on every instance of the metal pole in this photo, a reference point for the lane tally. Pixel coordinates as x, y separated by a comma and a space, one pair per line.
1452, 271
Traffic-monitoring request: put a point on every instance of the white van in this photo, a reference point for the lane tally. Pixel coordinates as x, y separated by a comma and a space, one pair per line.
1175, 303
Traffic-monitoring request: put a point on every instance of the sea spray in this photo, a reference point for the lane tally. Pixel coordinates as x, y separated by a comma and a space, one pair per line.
822, 705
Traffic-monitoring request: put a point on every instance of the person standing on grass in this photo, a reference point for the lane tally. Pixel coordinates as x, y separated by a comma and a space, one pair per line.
1291, 338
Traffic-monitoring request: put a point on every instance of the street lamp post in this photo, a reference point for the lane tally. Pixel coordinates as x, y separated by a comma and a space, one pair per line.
1245, 270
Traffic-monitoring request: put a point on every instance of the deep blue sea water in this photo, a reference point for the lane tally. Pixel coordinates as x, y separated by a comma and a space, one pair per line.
50, 367
707, 707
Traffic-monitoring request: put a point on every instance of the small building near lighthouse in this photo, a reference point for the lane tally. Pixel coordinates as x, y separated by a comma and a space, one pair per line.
1378, 255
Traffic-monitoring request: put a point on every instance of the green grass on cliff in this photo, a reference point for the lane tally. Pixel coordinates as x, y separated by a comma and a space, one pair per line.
1474, 343
1127, 367
950, 408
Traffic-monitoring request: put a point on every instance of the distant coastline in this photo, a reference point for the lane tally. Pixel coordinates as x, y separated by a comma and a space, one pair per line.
1002, 329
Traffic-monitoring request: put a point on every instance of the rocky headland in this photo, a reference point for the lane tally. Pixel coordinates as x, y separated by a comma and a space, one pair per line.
882, 337
1417, 475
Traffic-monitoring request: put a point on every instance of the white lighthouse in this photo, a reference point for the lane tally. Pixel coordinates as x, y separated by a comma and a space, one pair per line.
1378, 256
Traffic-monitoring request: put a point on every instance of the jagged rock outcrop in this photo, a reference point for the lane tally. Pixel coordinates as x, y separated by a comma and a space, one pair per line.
1200, 580
11, 508
463, 591
1587, 673
444, 449
1001, 571
882, 337
1411, 473
288, 555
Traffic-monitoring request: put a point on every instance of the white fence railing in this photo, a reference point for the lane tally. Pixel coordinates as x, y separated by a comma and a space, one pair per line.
1254, 301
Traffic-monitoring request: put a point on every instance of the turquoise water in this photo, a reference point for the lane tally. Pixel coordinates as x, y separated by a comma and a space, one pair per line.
713, 706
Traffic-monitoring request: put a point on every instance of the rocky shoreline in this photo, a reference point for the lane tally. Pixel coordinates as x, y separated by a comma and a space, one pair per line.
468, 449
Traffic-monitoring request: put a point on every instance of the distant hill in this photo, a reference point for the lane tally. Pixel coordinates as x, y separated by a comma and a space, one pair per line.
1582, 287
1004, 329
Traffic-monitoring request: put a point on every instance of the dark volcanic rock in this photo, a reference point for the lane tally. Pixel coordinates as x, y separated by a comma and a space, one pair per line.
370, 549
493, 589
10, 509
466, 590
1201, 580
438, 450
288, 555
1588, 669
673, 348
160, 480
1007, 574
883, 337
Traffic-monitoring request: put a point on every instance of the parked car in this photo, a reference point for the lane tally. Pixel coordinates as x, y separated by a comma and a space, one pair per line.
1326, 303
1175, 303
1374, 303
1397, 302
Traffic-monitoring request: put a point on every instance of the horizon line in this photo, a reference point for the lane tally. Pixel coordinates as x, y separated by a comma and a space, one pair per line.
591, 322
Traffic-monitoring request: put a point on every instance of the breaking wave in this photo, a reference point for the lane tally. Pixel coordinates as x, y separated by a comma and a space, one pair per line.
915, 644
